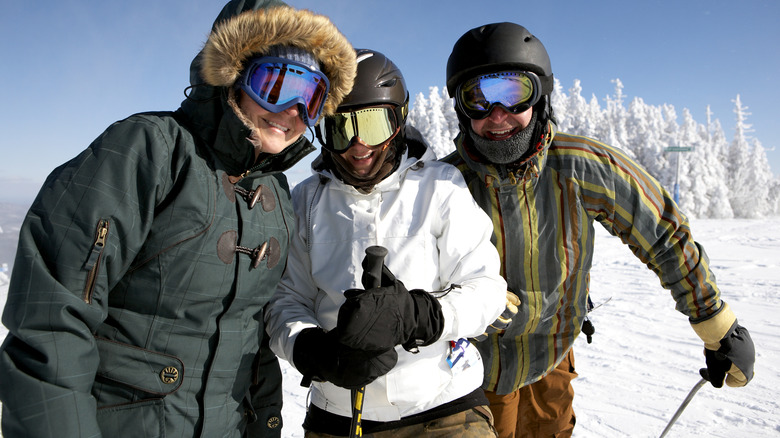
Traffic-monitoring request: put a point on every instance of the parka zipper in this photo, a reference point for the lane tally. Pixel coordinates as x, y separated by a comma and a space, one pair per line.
95, 256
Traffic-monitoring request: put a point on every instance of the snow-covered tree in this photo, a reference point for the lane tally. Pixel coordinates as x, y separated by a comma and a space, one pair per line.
615, 117
645, 140
774, 196
739, 162
703, 190
559, 101
435, 118
759, 177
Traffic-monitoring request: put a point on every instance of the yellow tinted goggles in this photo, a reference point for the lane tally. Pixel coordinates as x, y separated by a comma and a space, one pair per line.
374, 126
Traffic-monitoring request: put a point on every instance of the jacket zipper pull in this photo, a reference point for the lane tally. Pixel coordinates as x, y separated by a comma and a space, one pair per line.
93, 262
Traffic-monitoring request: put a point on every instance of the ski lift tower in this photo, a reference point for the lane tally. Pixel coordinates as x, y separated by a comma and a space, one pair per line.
678, 149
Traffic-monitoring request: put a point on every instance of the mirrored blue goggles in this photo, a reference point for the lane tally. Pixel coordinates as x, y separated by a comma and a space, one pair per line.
515, 91
279, 83
375, 126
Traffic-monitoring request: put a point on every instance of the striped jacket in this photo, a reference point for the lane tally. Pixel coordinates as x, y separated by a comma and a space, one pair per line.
543, 216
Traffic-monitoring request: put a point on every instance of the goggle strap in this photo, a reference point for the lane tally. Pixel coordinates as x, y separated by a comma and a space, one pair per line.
548, 84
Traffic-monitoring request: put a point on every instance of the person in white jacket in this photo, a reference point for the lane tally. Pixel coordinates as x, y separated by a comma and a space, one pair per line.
377, 183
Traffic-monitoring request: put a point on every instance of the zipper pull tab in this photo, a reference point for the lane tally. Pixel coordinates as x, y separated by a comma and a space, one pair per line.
92, 265
97, 247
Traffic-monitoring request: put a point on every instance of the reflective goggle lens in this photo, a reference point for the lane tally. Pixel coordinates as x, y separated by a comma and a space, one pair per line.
373, 125
277, 84
514, 90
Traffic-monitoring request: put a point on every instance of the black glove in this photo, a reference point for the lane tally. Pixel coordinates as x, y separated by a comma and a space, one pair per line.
320, 357
383, 317
735, 357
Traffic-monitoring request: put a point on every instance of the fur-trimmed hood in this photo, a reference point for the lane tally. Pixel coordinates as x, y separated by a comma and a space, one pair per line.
239, 38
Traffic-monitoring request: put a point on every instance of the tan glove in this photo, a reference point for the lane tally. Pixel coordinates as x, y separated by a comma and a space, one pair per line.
504, 320
728, 349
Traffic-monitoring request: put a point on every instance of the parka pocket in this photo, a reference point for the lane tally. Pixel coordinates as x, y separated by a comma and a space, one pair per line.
138, 368
145, 418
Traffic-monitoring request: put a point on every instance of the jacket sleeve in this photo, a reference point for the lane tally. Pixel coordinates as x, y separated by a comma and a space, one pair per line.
265, 395
77, 240
636, 208
467, 258
291, 309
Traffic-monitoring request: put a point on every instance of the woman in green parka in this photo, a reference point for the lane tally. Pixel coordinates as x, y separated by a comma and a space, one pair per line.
135, 304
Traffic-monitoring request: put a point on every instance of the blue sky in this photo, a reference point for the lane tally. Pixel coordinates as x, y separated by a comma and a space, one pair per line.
72, 67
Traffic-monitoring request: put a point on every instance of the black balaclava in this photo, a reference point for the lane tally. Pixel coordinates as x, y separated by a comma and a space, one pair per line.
504, 151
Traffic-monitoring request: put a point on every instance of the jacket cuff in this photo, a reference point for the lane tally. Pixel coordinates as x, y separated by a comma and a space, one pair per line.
712, 330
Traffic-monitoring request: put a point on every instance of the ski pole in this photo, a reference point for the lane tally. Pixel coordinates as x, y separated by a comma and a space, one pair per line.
372, 277
685, 402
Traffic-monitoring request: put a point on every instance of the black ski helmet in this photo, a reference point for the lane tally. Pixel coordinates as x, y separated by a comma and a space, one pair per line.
378, 81
494, 47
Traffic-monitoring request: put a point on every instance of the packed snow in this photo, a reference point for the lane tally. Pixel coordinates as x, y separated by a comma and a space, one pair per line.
644, 358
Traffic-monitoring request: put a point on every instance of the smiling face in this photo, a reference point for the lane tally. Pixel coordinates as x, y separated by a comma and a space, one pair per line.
501, 124
273, 131
361, 158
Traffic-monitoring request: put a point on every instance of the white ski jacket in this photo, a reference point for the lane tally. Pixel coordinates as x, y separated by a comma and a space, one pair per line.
436, 236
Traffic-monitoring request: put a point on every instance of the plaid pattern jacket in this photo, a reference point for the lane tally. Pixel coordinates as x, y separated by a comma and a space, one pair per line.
543, 216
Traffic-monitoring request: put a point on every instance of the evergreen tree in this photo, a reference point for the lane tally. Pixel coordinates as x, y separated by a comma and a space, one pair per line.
692, 187
615, 118
433, 117
644, 125
717, 148
668, 137
759, 177
739, 162
559, 101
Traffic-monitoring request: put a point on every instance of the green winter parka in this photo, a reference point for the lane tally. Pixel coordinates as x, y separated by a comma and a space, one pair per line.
543, 215
143, 265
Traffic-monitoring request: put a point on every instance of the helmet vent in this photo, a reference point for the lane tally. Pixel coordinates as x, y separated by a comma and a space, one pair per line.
389, 83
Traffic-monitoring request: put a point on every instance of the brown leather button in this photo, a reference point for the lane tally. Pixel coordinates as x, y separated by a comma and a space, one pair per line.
226, 246
273, 253
228, 188
268, 200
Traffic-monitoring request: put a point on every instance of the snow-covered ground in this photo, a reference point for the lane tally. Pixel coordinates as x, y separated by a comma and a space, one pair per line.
644, 357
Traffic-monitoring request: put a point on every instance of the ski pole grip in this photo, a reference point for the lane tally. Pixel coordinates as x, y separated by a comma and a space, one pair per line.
372, 266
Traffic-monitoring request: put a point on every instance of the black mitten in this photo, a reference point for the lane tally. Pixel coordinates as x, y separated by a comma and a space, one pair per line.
383, 317
320, 357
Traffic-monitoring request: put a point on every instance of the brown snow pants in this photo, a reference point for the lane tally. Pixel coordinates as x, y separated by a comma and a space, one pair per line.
473, 423
540, 410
